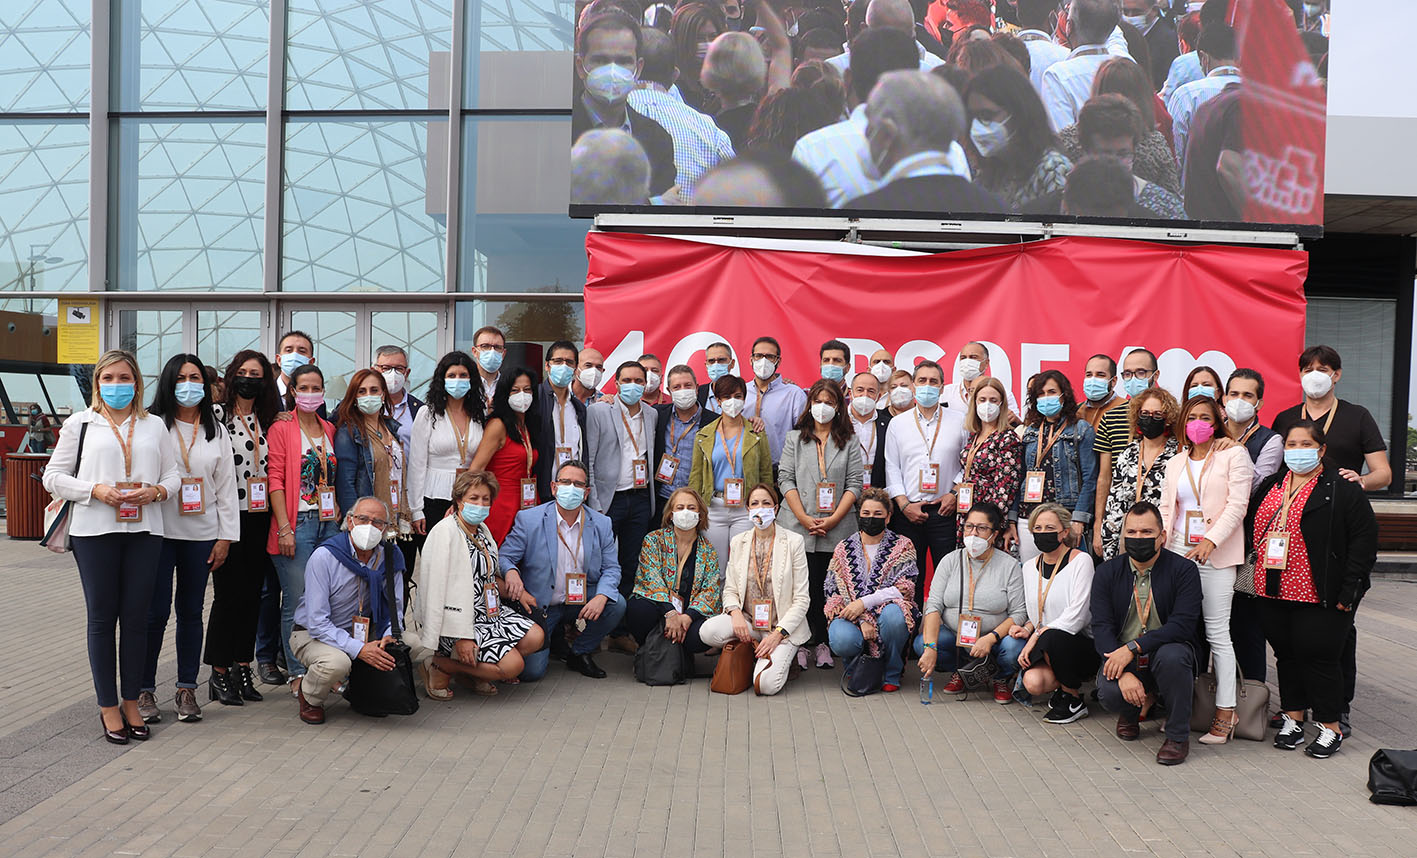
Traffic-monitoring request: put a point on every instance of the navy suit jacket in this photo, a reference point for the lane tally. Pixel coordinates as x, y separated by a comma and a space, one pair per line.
1176, 594
546, 455
531, 549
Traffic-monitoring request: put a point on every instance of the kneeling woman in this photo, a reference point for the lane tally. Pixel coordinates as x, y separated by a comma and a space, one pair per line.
459, 603
976, 598
678, 577
765, 593
1059, 655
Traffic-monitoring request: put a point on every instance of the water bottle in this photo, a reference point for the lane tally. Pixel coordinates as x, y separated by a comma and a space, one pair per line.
927, 689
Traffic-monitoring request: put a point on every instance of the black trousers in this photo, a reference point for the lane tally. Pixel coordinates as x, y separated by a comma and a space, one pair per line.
1247, 633
643, 615
629, 519
236, 594
1171, 676
118, 572
1309, 642
933, 539
817, 562
1073, 658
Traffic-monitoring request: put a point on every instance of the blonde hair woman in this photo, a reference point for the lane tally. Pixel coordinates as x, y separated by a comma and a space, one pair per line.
1059, 655
678, 575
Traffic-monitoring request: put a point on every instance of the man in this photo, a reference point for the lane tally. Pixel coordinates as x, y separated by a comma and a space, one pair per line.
654, 379
1187, 66
835, 359
972, 365
1139, 371
771, 399
620, 439
1160, 35
40, 432
559, 564
590, 372
913, 119
1109, 129
1216, 48
1036, 33
678, 421
718, 361
344, 614
698, 143
391, 362
760, 179
608, 63
489, 348
1100, 188
1068, 84
1146, 611
1244, 397
563, 416
293, 350
882, 366
1098, 379
1214, 183
890, 15
871, 426
609, 168
922, 464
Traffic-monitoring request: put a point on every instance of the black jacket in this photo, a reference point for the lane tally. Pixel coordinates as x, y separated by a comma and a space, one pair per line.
658, 145
878, 464
1176, 594
661, 439
1340, 533
943, 194
546, 461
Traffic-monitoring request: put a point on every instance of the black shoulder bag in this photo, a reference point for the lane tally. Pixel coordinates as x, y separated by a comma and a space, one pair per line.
376, 692
660, 661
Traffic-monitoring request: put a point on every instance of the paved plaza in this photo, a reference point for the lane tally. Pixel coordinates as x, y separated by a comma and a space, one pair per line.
573, 766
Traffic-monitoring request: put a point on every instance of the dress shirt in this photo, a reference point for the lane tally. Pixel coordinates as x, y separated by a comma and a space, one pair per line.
154, 463
405, 420
682, 433
565, 425
489, 387
1184, 102
1069, 604
1270, 458
779, 408
213, 461
631, 448
842, 61
1042, 53
332, 596
699, 144
1067, 85
434, 458
570, 555
1184, 69
866, 437
907, 453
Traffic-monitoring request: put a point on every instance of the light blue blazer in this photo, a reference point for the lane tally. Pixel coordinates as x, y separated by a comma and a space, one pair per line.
531, 549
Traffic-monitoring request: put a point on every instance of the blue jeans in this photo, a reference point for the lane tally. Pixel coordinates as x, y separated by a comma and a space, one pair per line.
1006, 651
552, 617
189, 559
847, 643
309, 533
268, 619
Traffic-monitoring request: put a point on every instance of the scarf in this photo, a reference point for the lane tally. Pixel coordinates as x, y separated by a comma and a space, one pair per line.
340, 546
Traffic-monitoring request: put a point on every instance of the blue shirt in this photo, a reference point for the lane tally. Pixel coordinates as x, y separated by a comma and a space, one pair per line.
680, 442
332, 597
721, 469
781, 405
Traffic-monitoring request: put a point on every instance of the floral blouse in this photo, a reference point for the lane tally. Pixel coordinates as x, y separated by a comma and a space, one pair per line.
1050, 174
995, 473
658, 577
1124, 490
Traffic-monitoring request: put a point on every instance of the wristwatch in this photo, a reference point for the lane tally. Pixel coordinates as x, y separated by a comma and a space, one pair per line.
1134, 647
782, 631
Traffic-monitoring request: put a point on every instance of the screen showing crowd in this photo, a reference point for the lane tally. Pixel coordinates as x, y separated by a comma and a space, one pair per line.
1093, 110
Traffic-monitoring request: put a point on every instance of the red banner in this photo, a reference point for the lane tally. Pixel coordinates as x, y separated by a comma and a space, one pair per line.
1037, 305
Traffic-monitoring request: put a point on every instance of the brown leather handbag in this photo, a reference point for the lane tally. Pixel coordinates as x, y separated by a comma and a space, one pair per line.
734, 673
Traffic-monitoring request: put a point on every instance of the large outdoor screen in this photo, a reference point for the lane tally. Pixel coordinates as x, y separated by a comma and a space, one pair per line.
1109, 111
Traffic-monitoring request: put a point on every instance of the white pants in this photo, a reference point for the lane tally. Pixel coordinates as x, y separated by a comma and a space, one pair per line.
718, 630
1217, 591
724, 523
1026, 549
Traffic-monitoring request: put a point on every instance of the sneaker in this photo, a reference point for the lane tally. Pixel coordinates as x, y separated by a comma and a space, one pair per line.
954, 686
824, 657
1290, 735
1065, 709
802, 658
1277, 719
147, 708
1326, 745
1003, 692
187, 708
1345, 728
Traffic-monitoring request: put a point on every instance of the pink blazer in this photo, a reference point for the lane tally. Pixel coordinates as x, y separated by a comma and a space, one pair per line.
1225, 495
283, 469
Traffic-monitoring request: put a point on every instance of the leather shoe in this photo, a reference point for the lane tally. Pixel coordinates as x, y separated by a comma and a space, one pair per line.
1173, 753
584, 665
115, 737
1128, 728
309, 713
269, 674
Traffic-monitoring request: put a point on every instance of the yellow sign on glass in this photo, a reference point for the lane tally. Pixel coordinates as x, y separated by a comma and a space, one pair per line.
78, 331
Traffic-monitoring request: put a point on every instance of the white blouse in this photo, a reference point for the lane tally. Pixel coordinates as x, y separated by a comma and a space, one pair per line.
1068, 595
154, 463
433, 458
214, 462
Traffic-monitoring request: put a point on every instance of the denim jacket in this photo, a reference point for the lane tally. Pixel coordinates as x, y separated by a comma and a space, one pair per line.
1074, 469
357, 479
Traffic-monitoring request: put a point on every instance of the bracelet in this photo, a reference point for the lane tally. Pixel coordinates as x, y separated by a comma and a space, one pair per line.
934, 646
283, 531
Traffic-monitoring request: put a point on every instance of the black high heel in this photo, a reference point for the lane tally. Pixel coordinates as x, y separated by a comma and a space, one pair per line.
245, 682
141, 732
220, 688
116, 737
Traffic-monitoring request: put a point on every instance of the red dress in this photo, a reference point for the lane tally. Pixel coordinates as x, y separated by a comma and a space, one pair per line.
509, 465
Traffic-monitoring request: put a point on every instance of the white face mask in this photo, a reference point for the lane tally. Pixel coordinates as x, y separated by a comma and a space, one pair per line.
902, 396
823, 413
685, 519
684, 397
882, 371
1316, 383
969, 368
731, 407
393, 380
652, 380
863, 405
1138, 21
989, 137
520, 402
365, 536
764, 368
1239, 411
976, 546
987, 411
762, 517
590, 378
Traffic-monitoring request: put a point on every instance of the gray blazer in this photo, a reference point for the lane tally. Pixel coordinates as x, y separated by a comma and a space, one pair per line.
799, 470
602, 426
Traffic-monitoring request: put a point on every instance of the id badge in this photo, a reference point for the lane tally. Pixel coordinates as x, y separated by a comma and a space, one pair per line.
493, 602
677, 603
256, 495
458, 472
575, 588
964, 498
826, 497
193, 496
866, 478
563, 455
327, 504
359, 629
1033, 486
968, 630
1195, 526
640, 468
762, 616
128, 511
668, 467
930, 479
1143, 660
394, 493
1276, 550
732, 492
528, 493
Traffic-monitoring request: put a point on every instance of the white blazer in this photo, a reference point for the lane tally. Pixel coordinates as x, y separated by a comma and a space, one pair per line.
447, 601
790, 593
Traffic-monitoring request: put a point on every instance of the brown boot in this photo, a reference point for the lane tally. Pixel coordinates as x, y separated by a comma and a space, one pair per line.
309, 712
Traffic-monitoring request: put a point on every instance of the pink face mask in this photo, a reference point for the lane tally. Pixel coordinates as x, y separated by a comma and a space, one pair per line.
309, 402
1199, 431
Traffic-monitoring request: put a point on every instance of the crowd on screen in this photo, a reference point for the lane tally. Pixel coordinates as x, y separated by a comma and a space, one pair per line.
522, 515
1089, 108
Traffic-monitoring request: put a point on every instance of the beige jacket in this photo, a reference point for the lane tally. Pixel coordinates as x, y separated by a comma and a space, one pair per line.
790, 594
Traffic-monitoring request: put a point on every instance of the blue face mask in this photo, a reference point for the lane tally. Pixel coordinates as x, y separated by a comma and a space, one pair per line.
189, 393
474, 514
631, 391
832, 372
569, 497
489, 360
717, 371
561, 375
457, 388
1095, 388
927, 395
1201, 390
1049, 406
1134, 386
116, 395
291, 361
1301, 460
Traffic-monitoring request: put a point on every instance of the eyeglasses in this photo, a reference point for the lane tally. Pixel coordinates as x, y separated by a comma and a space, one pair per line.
580, 484
713, 361
1160, 415
761, 356
488, 347
978, 528
387, 368
1142, 374
364, 519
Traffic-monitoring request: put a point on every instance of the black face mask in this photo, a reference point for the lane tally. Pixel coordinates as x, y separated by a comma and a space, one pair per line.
247, 387
1140, 548
1047, 540
871, 526
1151, 426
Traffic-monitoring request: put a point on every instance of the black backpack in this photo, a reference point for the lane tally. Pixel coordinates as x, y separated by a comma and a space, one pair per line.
660, 661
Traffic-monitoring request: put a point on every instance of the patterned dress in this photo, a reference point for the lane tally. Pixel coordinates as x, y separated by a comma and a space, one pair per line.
497, 634
995, 473
1124, 490
851, 575
1296, 580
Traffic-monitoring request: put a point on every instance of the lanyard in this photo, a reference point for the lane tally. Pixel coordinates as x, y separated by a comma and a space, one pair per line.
319, 449
1289, 495
126, 448
461, 438
253, 430
970, 564
930, 448
821, 459
691, 423
1052, 579
628, 431
1192, 477
1143, 469
728, 451
1044, 449
580, 533
973, 449
868, 451
561, 422
185, 450
762, 563
1304, 410
1143, 612
526, 445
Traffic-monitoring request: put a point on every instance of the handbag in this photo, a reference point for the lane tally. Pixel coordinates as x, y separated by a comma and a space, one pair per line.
1392, 777
977, 673
376, 692
1251, 706
1245, 575
660, 661
59, 513
734, 672
864, 675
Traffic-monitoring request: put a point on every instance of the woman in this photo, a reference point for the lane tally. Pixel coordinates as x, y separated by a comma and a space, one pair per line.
1316, 540
1203, 381
820, 476
694, 28
678, 577
247, 412
445, 437
1154, 158
1109, 126
1140, 469
735, 71
199, 525
459, 602
765, 595
508, 449
304, 512
367, 441
1202, 506
115, 453
816, 99
1059, 655
1058, 461
728, 457
870, 589
900, 395
976, 598
1018, 156
991, 460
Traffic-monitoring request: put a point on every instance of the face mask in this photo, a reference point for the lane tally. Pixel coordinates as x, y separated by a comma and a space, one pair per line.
1301, 460
631, 392
863, 405
1047, 541
731, 407
291, 361
764, 368
652, 380
976, 546
715, 371
927, 395
1151, 426
560, 375
590, 378
247, 387
1138, 21
1199, 431
1316, 383
189, 393
365, 536
989, 137
1201, 390
762, 517
610, 83
370, 404
457, 388
685, 519
1096, 389
901, 396
569, 497
520, 402
882, 371
117, 395
1134, 386
987, 411
1239, 411
684, 397
475, 514
393, 380
823, 413
1140, 548
1049, 406
832, 372
489, 360
309, 402
873, 526
969, 368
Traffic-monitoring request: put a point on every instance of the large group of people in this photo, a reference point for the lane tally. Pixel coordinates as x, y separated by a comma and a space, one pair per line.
1080, 108
518, 515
